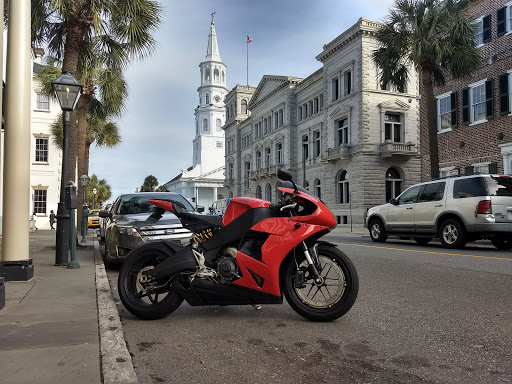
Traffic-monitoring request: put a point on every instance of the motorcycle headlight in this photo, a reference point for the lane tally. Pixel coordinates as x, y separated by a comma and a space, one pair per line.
129, 231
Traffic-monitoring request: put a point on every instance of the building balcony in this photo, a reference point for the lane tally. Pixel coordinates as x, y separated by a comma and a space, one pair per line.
264, 172
339, 153
390, 148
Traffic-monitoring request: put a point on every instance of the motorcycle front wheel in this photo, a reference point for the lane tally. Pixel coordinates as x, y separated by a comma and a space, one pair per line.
326, 301
147, 302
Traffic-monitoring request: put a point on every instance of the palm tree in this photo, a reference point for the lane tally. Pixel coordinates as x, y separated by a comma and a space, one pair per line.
437, 39
122, 30
103, 192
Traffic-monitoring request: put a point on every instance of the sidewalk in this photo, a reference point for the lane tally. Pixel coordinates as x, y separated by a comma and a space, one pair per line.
49, 327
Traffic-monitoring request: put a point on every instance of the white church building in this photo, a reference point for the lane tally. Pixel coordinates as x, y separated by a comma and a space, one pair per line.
203, 182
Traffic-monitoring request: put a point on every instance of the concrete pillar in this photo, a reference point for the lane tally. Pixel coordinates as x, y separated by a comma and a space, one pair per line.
16, 264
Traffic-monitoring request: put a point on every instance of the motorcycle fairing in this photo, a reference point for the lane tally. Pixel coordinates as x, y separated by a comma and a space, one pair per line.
284, 236
238, 205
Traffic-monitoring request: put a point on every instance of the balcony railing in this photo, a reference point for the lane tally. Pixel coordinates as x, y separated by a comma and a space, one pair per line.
338, 153
390, 148
264, 172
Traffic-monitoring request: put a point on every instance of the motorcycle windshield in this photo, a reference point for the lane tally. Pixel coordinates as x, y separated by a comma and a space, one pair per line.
288, 184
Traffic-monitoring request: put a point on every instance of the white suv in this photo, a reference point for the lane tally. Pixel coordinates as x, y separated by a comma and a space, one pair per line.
455, 209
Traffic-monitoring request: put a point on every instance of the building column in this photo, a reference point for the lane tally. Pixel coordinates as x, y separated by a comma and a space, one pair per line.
506, 151
16, 264
214, 193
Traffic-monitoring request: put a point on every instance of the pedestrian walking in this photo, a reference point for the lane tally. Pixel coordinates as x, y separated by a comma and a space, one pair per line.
33, 217
52, 219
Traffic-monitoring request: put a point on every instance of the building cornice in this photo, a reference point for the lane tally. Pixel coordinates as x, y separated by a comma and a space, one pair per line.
363, 26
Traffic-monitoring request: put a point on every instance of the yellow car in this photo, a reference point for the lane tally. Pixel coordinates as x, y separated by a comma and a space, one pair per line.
94, 218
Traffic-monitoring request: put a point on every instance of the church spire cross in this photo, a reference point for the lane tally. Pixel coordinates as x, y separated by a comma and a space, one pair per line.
212, 16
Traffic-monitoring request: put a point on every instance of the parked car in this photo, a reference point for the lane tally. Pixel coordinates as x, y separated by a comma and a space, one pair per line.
93, 220
219, 207
455, 209
126, 224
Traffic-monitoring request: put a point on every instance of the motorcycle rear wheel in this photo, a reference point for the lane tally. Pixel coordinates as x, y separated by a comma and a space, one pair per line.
146, 304
330, 300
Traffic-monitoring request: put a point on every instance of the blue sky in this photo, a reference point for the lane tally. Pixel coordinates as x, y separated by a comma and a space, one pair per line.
158, 125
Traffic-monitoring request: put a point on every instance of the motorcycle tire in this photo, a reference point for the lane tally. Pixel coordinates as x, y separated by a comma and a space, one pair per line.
142, 304
334, 297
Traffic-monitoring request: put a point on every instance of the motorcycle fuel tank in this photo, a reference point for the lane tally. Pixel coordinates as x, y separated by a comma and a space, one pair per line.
239, 205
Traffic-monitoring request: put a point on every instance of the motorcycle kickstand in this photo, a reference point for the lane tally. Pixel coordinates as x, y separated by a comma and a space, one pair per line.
256, 306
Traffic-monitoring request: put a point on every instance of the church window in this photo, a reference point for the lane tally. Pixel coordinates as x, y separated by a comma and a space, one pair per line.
207, 99
216, 75
197, 127
244, 107
223, 77
218, 124
205, 125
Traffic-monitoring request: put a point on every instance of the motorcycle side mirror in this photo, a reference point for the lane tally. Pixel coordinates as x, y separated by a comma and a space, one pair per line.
284, 175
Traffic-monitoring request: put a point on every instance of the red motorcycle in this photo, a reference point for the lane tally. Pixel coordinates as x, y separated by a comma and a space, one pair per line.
252, 255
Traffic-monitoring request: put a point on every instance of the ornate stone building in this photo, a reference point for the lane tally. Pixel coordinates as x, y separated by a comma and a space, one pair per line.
352, 143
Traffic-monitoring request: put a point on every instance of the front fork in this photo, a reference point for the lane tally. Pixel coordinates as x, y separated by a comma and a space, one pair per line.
313, 263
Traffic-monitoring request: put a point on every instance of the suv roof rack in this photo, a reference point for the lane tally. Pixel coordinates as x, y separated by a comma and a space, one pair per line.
454, 176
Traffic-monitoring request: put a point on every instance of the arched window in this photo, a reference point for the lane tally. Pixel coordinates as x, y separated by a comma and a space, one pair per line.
258, 192
218, 125
268, 192
318, 188
342, 195
205, 125
223, 77
197, 127
244, 107
207, 99
393, 183
216, 75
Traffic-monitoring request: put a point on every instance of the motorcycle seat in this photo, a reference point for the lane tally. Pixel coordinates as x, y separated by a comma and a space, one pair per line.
192, 218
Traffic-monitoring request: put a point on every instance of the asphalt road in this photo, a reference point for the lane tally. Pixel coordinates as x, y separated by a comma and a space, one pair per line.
424, 314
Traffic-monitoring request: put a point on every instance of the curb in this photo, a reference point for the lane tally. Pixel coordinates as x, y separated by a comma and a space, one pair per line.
116, 361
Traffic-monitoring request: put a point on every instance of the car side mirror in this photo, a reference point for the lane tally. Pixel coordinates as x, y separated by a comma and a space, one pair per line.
200, 209
104, 214
393, 201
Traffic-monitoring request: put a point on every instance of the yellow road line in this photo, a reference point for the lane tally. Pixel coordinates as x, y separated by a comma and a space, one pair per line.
435, 253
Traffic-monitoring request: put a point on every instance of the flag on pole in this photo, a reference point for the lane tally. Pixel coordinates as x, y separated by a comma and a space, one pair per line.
249, 39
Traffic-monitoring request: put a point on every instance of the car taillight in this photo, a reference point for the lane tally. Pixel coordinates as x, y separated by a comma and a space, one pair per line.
484, 207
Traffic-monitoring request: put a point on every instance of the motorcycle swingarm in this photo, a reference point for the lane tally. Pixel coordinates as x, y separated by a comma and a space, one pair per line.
204, 292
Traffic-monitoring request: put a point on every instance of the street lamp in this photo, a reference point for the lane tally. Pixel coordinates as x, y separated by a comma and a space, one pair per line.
94, 192
68, 91
84, 180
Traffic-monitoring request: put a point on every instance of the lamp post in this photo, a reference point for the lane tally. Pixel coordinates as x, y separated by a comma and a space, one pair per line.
84, 180
68, 90
94, 192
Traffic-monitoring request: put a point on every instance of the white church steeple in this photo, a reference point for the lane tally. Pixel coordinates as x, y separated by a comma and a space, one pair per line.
208, 151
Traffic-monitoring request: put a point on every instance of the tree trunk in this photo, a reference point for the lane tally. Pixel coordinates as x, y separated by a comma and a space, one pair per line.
74, 40
82, 133
430, 103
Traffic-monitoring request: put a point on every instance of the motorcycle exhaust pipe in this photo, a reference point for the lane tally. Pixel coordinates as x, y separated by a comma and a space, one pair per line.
181, 261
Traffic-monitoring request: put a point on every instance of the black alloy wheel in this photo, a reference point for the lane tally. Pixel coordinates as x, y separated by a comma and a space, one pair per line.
330, 299
147, 301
